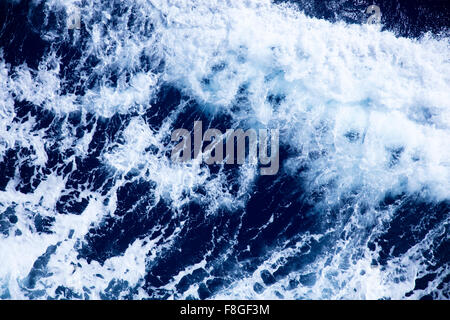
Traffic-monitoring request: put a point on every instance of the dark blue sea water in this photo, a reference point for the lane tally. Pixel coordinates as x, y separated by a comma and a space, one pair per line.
92, 207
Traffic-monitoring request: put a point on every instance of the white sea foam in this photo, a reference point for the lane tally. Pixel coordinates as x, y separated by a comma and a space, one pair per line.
372, 108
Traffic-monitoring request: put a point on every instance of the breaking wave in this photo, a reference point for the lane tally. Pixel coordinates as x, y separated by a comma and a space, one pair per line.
92, 207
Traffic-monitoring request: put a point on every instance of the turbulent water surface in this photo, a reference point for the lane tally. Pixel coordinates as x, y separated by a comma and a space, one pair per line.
91, 206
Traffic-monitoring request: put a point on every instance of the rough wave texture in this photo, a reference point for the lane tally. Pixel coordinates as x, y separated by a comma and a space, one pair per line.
92, 207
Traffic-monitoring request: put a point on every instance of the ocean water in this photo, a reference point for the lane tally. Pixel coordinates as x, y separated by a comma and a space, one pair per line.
92, 207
